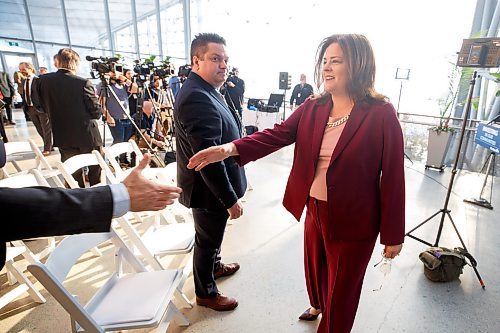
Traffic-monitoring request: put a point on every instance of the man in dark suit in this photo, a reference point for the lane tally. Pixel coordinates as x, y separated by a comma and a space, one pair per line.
8, 93
37, 114
203, 119
47, 211
73, 108
300, 92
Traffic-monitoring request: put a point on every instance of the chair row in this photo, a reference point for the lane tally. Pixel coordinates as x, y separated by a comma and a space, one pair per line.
145, 239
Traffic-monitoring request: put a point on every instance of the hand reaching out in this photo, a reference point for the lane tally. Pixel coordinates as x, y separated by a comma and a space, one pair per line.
211, 155
146, 195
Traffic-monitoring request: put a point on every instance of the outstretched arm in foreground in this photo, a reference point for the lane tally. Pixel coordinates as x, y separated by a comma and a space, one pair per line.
211, 155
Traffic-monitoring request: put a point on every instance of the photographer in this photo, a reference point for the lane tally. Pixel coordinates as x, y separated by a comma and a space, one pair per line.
233, 91
157, 94
150, 129
133, 92
117, 109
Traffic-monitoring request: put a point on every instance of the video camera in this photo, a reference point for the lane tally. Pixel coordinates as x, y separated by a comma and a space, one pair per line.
143, 70
104, 65
184, 72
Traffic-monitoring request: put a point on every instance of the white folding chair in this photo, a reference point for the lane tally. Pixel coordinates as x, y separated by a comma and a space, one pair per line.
34, 178
24, 284
26, 151
165, 175
126, 301
77, 162
114, 151
156, 240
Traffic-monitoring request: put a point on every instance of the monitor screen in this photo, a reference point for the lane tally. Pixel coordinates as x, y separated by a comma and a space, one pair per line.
275, 100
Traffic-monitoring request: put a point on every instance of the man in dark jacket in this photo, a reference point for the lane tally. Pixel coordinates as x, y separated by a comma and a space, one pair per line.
203, 119
74, 109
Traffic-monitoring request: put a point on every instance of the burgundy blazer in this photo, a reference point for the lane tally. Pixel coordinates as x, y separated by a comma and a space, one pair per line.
365, 179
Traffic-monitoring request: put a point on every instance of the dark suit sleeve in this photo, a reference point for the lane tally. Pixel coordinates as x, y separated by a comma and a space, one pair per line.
44, 211
91, 102
202, 123
35, 94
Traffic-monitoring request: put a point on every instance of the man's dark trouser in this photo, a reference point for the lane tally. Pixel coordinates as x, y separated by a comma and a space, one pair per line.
8, 108
41, 120
2, 128
94, 171
209, 226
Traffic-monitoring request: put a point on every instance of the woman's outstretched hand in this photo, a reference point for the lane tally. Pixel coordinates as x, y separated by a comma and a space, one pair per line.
211, 155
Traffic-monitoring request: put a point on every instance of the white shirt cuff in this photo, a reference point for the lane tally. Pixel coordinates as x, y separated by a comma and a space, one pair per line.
121, 199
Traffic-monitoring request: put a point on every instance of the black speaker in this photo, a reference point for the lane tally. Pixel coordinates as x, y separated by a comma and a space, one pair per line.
284, 81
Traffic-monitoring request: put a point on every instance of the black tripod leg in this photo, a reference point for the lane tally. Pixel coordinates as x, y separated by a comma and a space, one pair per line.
481, 282
421, 224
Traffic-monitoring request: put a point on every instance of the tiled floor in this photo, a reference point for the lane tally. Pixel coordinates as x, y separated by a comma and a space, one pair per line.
270, 285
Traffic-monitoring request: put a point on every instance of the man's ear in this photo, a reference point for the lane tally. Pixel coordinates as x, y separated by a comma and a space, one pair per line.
196, 62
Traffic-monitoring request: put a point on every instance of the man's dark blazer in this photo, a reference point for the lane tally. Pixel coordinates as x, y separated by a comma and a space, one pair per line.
202, 120
35, 98
44, 211
73, 107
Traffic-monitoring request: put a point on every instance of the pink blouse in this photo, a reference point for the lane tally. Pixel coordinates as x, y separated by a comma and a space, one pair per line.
330, 139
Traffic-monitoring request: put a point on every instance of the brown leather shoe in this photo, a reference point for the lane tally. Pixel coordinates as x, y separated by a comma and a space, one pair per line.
218, 303
226, 270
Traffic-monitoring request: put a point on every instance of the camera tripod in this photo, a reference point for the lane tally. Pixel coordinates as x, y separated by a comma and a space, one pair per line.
167, 128
445, 211
106, 92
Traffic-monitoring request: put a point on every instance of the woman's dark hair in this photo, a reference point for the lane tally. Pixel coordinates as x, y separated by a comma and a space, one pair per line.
361, 66
200, 43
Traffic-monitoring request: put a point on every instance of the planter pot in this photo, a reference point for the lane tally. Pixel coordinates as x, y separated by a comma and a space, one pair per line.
437, 146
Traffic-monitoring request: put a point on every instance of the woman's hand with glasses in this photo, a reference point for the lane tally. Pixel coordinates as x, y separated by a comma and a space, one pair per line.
391, 251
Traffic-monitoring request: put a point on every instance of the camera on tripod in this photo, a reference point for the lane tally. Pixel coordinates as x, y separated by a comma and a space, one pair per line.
184, 72
148, 67
104, 65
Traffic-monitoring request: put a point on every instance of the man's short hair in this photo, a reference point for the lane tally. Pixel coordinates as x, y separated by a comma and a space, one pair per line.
68, 59
200, 43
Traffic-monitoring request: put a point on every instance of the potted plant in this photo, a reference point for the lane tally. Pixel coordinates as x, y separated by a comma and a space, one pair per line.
439, 135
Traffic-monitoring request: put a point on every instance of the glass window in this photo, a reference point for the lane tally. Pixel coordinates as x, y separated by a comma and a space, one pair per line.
13, 20
46, 54
172, 30
121, 25
47, 21
87, 22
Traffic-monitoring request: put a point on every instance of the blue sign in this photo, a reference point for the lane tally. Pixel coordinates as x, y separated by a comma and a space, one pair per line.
488, 136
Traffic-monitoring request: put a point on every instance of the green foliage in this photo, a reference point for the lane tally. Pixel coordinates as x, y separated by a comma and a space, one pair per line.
447, 104
151, 59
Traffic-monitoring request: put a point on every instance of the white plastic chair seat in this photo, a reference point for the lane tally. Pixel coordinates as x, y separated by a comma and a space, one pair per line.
172, 238
139, 297
136, 300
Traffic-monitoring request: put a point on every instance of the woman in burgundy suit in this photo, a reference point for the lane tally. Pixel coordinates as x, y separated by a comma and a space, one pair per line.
347, 170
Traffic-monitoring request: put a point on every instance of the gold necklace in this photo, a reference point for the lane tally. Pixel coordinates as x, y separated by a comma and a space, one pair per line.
338, 122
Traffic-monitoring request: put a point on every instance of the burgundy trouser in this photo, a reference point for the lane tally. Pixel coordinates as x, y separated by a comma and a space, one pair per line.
334, 271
